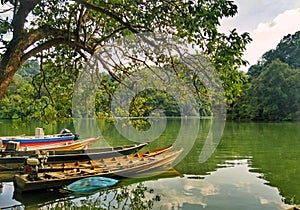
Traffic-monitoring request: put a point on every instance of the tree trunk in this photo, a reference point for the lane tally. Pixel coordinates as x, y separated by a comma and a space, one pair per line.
12, 58
10, 63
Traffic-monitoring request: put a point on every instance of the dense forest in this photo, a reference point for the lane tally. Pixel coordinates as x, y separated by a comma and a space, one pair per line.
44, 45
46, 52
271, 93
273, 90
29, 96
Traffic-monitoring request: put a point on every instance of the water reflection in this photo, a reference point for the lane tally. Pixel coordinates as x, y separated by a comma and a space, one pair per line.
255, 166
128, 194
230, 187
271, 149
136, 196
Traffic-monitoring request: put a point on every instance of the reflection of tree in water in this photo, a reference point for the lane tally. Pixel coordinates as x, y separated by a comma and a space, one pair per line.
125, 197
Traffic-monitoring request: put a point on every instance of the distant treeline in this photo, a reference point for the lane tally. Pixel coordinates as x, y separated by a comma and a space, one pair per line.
272, 92
273, 89
41, 93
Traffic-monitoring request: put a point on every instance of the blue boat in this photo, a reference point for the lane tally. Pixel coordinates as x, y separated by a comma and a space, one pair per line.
90, 184
40, 139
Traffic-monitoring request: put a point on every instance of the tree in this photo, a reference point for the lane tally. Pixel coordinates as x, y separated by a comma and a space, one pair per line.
41, 28
273, 95
287, 51
272, 92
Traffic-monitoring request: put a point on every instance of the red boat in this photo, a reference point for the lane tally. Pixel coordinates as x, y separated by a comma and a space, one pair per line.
40, 139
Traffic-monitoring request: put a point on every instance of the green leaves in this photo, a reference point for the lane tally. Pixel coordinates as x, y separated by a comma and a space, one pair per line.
4, 26
66, 33
287, 51
273, 95
5, 29
273, 90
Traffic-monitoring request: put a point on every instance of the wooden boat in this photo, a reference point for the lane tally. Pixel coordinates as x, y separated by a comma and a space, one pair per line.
297, 207
122, 166
73, 145
47, 197
15, 163
154, 152
40, 139
76, 165
90, 184
76, 160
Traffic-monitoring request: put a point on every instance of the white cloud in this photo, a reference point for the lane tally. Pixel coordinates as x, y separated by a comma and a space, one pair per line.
251, 13
267, 35
267, 21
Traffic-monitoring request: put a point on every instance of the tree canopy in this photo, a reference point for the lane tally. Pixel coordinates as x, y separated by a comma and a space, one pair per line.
273, 90
62, 34
273, 95
287, 51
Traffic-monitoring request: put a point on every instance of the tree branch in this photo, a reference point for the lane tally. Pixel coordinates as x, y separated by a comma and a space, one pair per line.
108, 13
6, 10
20, 17
60, 37
3, 1
55, 42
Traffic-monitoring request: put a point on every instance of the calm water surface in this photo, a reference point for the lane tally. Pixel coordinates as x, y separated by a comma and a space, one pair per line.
255, 166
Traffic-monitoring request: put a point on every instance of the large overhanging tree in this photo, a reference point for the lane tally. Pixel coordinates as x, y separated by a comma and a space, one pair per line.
84, 26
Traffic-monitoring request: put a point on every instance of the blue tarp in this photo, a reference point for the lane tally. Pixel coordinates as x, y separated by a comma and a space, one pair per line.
91, 184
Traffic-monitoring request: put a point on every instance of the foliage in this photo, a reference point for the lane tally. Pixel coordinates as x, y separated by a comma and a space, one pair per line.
273, 95
135, 197
273, 89
287, 51
40, 92
63, 34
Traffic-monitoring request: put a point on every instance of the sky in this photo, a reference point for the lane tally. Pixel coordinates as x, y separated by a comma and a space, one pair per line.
267, 21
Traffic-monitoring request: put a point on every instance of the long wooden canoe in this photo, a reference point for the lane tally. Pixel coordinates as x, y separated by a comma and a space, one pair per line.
110, 167
15, 163
154, 152
77, 165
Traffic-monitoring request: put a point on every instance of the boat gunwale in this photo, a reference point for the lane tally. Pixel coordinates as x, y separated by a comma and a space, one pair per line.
15, 162
160, 161
39, 140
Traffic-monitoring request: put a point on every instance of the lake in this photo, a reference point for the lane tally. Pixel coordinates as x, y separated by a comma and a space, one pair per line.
252, 166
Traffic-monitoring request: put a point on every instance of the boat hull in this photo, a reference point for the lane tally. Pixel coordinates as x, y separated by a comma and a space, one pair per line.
119, 167
64, 156
32, 141
73, 145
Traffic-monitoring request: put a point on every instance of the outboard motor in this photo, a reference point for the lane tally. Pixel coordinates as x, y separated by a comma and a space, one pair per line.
12, 146
65, 132
32, 164
31, 167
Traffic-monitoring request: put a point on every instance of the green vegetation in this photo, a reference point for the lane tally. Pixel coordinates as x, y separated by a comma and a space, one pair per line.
37, 93
273, 91
46, 52
61, 35
30, 97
